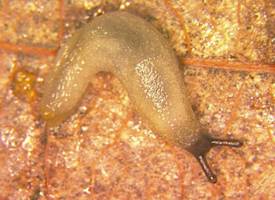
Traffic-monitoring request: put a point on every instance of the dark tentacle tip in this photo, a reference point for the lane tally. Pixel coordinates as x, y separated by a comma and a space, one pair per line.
201, 148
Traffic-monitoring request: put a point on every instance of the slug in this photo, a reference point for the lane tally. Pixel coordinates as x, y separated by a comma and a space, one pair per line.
140, 57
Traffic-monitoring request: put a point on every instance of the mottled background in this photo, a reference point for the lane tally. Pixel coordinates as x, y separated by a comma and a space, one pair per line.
104, 151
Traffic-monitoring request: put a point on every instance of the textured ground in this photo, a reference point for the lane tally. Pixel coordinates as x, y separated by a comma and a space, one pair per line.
105, 151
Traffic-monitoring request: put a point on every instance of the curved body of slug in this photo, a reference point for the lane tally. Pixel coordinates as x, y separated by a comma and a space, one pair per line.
138, 55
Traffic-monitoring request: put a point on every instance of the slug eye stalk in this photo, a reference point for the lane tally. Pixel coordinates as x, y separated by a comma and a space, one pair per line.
203, 146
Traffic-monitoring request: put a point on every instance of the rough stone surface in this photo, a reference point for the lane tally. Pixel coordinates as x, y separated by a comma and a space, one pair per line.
105, 151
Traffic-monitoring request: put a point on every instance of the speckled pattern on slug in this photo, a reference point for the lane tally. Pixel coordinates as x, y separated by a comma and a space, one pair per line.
152, 84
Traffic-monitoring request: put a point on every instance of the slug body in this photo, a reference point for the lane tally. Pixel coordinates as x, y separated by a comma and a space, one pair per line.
138, 55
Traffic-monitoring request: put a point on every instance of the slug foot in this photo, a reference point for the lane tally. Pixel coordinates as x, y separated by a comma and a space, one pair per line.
201, 148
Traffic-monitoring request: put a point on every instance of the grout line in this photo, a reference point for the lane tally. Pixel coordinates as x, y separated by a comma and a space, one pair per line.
182, 23
29, 50
229, 65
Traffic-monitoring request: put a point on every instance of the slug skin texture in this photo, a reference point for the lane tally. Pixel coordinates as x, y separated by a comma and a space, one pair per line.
139, 56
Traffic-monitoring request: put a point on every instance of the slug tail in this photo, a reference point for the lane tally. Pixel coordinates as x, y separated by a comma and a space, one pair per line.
203, 146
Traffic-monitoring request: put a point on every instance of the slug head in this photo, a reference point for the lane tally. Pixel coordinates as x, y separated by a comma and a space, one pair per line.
200, 148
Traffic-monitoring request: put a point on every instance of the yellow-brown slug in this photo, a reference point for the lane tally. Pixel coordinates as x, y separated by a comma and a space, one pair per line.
138, 55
